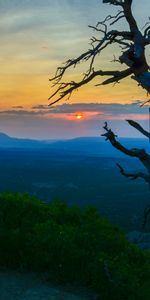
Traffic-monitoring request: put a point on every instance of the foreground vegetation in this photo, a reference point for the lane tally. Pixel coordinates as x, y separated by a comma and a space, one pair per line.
73, 245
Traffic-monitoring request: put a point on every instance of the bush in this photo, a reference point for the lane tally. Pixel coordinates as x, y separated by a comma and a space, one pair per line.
73, 245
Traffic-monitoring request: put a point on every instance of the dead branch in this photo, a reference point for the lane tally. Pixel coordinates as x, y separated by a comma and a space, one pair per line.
138, 153
132, 42
108, 38
141, 154
117, 77
66, 89
114, 2
135, 152
139, 128
134, 176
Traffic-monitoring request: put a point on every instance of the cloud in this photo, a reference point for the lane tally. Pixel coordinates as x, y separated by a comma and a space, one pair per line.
19, 112
93, 109
40, 106
17, 106
42, 121
101, 108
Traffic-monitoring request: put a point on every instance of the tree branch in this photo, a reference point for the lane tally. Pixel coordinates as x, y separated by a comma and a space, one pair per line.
133, 176
135, 152
129, 17
139, 128
109, 37
117, 77
65, 89
133, 44
114, 2
109, 135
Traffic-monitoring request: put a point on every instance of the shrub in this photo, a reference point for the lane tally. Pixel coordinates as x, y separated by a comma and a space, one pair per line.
73, 245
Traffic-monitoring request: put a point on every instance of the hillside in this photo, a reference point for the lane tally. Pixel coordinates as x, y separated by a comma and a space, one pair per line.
73, 246
96, 146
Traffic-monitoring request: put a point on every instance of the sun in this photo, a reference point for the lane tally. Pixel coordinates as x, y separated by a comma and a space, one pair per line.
79, 116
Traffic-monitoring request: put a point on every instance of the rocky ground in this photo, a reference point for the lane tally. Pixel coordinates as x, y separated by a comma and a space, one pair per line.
25, 286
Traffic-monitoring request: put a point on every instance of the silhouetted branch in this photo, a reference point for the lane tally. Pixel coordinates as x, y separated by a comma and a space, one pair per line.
65, 89
114, 2
132, 42
134, 176
135, 152
117, 77
139, 128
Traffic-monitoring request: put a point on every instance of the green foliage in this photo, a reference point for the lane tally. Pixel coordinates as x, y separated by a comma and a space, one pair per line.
73, 245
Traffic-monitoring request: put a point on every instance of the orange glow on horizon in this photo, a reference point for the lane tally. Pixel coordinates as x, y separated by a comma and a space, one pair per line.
79, 116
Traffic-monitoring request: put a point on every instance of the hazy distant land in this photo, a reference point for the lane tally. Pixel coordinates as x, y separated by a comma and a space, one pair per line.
81, 170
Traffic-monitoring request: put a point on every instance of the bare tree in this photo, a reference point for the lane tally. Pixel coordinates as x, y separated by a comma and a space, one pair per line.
133, 43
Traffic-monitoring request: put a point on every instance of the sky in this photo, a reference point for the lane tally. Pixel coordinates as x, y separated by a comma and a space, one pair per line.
37, 37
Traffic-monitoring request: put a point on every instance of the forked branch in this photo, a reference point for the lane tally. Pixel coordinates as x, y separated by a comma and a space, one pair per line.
134, 176
134, 152
66, 89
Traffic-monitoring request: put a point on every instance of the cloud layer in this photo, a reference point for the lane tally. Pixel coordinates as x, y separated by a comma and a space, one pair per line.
41, 121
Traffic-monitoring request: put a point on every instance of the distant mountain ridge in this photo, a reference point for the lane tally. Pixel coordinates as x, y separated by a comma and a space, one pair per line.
12, 142
98, 146
4, 136
93, 146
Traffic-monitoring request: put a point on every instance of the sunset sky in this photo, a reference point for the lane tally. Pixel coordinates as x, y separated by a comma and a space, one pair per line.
36, 37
